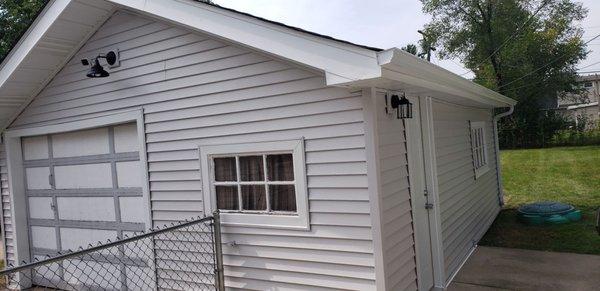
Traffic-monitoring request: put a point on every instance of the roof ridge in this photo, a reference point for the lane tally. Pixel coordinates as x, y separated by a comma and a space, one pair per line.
289, 26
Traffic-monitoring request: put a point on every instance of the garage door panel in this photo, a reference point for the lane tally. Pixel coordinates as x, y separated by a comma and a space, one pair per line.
126, 139
81, 143
35, 148
83, 176
95, 179
43, 237
86, 208
129, 174
47, 272
106, 270
131, 210
38, 178
72, 238
41, 208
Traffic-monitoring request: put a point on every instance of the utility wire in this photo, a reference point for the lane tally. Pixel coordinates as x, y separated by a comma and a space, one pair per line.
588, 66
547, 64
542, 81
514, 34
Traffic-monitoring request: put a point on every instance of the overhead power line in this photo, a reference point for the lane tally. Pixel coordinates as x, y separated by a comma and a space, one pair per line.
545, 65
588, 66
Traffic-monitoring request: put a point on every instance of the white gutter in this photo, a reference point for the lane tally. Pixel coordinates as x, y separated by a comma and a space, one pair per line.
497, 145
401, 66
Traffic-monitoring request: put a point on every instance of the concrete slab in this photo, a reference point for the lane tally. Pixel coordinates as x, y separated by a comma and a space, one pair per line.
516, 269
456, 286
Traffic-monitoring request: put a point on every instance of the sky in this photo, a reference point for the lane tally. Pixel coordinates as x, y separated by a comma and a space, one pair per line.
383, 23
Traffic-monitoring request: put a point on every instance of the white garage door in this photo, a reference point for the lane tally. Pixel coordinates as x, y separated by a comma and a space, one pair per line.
82, 187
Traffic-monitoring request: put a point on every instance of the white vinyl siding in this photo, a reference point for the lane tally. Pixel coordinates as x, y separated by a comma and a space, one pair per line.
199, 91
397, 227
7, 229
468, 205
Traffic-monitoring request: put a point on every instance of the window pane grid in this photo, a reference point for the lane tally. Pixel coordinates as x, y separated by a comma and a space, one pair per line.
478, 146
254, 183
266, 175
239, 187
264, 159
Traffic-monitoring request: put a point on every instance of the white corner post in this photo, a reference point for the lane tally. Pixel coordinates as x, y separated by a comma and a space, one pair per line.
374, 182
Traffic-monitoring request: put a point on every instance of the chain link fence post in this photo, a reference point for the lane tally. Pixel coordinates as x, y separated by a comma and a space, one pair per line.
219, 271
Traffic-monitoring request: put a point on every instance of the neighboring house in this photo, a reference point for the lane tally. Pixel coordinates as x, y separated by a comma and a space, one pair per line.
585, 107
207, 106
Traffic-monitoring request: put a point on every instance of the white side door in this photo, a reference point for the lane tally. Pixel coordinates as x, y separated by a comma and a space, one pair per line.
420, 199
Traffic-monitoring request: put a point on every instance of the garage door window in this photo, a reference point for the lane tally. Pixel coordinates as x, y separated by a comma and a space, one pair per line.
257, 179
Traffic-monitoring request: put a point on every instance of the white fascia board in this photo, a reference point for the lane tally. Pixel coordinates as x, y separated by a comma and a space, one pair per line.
340, 62
404, 67
32, 36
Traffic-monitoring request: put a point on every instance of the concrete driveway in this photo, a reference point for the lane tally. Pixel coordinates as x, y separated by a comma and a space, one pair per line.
493, 269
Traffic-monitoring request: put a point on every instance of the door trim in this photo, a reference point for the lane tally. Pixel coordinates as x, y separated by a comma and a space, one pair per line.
428, 138
421, 220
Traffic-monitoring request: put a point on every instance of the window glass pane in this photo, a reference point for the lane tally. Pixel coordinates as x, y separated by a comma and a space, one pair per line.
225, 169
227, 197
283, 197
254, 197
251, 168
280, 167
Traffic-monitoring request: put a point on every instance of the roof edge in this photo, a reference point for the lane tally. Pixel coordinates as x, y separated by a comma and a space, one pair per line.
408, 64
31, 36
346, 61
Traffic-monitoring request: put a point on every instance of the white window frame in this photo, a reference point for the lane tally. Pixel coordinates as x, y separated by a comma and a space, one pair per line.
479, 148
298, 220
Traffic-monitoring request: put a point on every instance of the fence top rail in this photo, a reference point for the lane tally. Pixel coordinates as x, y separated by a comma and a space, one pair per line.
69, 253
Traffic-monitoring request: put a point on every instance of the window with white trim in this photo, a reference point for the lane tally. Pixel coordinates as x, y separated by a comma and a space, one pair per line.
478, 147
256, 184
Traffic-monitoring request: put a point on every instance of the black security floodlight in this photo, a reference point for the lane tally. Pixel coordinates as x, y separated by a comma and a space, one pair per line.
96, 70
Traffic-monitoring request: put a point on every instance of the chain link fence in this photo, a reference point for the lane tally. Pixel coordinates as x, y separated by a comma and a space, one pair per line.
184, 256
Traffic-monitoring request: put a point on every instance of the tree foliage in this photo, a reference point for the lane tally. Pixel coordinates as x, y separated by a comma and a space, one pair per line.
525, 49
15, 18
410, 48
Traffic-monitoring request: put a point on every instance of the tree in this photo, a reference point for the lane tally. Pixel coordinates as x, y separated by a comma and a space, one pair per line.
410, 48
525, 49
15, 18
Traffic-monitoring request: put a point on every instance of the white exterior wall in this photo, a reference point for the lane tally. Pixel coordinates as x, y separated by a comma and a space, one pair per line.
397, 228
7, 231
468, 206
196, 90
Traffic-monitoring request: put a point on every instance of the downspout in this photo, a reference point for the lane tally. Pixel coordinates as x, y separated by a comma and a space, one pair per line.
497, 145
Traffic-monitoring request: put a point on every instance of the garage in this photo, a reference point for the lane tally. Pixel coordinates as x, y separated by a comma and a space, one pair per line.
82, 187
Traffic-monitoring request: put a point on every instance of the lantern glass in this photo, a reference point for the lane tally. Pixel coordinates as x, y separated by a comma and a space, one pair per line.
404, 108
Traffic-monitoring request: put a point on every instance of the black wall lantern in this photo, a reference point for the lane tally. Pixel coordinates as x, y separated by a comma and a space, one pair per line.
96, 70
401, 104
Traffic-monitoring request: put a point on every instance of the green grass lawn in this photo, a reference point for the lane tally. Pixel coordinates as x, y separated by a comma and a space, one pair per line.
568, 174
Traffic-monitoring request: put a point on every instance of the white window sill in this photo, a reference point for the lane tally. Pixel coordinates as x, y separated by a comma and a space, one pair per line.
295, 222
